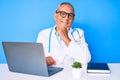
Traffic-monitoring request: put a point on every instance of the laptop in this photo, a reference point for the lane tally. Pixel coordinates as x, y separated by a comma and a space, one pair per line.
28, 58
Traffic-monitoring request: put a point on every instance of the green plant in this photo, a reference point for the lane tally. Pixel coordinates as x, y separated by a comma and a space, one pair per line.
77, 65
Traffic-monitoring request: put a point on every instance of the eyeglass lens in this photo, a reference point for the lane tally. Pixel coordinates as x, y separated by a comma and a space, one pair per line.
64, 14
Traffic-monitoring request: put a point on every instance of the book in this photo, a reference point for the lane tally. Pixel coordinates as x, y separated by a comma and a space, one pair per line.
98, 68
98, 74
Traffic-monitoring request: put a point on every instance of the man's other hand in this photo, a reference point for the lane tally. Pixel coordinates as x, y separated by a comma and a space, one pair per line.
50, 60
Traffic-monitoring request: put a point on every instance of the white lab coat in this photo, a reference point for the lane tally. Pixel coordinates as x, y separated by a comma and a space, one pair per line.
76, 51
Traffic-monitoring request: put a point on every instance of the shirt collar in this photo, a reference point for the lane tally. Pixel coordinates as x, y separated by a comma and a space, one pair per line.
70, 30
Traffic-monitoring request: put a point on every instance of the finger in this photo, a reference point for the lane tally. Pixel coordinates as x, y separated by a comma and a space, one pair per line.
49, 60
54, 62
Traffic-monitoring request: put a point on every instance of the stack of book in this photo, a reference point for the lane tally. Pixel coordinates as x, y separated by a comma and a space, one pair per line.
98, 68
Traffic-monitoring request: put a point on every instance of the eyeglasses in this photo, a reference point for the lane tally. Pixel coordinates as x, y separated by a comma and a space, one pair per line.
63, 14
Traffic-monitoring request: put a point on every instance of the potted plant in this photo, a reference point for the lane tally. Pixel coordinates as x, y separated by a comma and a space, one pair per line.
76, 70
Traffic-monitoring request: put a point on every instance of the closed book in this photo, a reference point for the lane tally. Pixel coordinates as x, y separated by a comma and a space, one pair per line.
98, 68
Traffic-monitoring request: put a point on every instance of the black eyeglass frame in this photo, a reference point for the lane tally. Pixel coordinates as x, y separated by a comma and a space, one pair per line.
69, 14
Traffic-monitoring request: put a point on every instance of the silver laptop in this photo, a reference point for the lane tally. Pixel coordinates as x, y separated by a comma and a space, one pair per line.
27, 57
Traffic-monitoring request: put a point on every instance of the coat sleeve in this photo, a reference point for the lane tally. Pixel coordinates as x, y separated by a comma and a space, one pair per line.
79, 50
43, 38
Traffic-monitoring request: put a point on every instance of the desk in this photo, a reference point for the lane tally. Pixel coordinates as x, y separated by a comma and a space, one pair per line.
66, 74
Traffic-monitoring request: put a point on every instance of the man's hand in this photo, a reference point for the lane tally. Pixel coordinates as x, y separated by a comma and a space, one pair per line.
50, 60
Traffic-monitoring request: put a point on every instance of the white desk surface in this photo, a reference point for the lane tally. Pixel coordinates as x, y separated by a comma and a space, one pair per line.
66, 74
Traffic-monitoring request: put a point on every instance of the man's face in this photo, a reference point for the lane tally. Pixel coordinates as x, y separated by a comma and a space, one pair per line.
64, 16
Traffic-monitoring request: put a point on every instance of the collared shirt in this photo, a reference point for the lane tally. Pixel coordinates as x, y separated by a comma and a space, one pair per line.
59, 38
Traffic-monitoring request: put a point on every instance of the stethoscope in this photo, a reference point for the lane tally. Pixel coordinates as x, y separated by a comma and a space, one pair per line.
72, 33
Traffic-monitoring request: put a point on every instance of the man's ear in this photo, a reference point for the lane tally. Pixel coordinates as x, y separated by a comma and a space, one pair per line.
55, 16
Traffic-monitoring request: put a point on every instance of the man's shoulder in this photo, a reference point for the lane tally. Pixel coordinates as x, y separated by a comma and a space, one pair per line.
46, 30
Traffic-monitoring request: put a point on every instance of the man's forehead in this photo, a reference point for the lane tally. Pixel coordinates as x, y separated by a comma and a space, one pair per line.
66, 7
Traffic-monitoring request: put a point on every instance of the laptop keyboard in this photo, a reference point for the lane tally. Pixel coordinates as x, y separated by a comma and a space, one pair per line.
53, 70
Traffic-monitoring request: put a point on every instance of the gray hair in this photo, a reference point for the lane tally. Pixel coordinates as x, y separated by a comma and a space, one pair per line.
66, 3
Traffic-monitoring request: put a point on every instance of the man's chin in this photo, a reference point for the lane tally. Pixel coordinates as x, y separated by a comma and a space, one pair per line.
64, 25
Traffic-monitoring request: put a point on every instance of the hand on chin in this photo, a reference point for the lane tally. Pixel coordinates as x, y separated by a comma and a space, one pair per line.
64, 26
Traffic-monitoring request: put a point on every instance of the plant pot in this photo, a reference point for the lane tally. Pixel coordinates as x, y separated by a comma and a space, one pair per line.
77, 73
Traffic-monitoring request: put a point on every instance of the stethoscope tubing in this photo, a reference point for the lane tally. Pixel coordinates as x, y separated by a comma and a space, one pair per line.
49, 42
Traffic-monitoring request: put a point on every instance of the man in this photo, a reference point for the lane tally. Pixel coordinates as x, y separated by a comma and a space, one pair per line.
62, 44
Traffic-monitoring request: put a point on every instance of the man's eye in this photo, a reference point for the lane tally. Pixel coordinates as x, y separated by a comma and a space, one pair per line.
71, 15
63, 13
